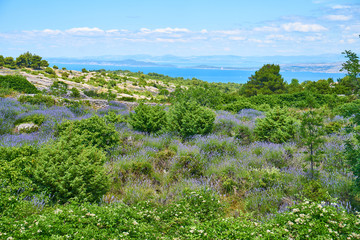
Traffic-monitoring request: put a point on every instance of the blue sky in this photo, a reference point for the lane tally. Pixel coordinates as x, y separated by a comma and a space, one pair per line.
80, 28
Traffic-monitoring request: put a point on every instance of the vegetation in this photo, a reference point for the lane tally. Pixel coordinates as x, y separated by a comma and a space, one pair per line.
18, 83
210, 162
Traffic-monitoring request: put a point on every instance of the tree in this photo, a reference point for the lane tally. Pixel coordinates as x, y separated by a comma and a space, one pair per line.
267, 80
44, 63
188, 118
311, 132
9, 62
35, 61
352, 67
1, 61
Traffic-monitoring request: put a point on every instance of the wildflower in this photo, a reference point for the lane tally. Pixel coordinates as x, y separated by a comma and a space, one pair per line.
296, 210
39, 231
58, 211
310, 230
290, 223
135, 222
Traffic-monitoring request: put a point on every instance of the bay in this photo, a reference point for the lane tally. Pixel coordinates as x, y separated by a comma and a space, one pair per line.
209, 75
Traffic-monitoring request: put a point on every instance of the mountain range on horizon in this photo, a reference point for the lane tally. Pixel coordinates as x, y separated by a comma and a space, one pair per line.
318, 63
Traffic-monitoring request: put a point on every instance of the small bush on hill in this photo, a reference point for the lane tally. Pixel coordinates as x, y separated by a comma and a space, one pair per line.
276, 127
95, 132
37, 99
38, 119
189, 118
71, 170
18, 83
150, 119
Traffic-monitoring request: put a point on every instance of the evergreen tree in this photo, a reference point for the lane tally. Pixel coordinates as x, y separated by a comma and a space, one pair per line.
267, 80
311, 132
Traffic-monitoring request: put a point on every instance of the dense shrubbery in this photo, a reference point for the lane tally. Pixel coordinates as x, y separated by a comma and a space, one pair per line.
94, 131
276, 127
18, 83
37, 99
70, 169
189, 118
150, 119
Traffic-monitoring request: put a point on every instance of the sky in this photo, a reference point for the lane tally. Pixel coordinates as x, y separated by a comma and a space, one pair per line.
81, 28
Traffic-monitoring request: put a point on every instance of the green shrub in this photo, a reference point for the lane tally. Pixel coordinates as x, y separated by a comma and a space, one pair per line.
75, 93
95, 132
276, 127
189, 118
71, 170
348, 109
244, 134
239, 105
58, 88
38, 119
37, 99
150, 119
18, 83
50, 71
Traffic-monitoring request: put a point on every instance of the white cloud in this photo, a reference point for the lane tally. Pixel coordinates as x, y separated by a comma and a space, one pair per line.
204, 31
266, 29
237, 38
52, 32
340, 7
300, 27
85, 31
227, 32
170, 30
338, 17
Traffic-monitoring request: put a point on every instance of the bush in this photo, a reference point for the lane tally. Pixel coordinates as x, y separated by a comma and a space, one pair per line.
95, 132
58, 88
38, 119
75, 93
276, 127
150, 119
18, 83
189, 118
50, 71
37, 99
244, 134
71, 170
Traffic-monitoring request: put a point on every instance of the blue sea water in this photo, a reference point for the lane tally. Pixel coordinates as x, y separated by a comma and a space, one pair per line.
209, 75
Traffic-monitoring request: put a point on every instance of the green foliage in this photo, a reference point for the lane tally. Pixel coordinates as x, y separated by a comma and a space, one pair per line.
37, 99
352, 67
84, 70
147, 118
58, 88
50, 71
55, 67
244, 134
311, 132
267, 80
30, 60
348, 109
9, 62
38, 119
18, 83
2, 63
238, 105
112, 117
75, 93
65, 74
352, 150
71, 170
189, 118
94, 131
276, 127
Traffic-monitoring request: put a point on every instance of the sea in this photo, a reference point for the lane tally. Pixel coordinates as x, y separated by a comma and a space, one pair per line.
209, 75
